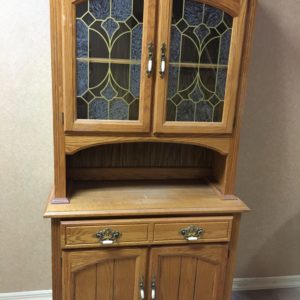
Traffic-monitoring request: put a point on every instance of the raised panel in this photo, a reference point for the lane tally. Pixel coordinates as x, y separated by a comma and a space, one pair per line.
103, 275
189, 272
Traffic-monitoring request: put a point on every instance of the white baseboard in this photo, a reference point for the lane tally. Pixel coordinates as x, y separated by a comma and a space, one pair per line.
239, 284
35, 295
266, 283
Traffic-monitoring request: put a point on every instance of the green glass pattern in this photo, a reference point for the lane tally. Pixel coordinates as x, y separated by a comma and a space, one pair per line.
199, 53
108, 55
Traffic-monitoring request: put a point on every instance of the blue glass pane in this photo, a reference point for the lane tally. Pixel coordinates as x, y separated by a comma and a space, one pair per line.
225, 47
109, 92
82, 78
100, 8
175, 41
173, 80
135, 75
193, 12
99, 109
204, 112
82, 39
199, 52
118, 110
136, 43
110, 26
112, 30
185, 111
121, 9
202, 32
221, 83
212, 16
196, 95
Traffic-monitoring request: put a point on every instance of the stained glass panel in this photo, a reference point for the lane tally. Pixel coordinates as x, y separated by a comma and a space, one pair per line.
108, 53
200, 45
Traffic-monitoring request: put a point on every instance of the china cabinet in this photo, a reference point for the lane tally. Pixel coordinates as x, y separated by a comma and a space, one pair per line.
147, 103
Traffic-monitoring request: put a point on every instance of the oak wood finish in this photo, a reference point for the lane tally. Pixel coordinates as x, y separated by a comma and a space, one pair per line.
82, 234
149, 213
105, 274
108, 199
193, 272
230, 169
58, 130
56, 260
74, 144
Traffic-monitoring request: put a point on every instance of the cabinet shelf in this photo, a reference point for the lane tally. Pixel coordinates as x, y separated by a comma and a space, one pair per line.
195, 65
143, 198
110, 61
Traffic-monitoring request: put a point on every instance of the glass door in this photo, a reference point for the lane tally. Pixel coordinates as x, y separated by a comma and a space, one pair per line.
108, 50
199, 66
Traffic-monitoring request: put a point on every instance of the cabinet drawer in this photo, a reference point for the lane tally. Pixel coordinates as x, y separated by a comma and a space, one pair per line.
210, 229
85, 234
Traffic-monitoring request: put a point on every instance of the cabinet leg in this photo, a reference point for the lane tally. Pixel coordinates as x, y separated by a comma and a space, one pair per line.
232, 257
56, 261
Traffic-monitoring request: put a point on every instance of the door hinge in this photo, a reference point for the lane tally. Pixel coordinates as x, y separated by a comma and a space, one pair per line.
61, 261
63, 118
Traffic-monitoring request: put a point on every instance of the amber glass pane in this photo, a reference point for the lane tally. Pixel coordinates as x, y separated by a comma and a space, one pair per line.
108, 53
200, 44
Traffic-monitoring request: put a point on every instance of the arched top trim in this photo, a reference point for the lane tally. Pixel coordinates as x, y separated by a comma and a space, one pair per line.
232, 7
74, 144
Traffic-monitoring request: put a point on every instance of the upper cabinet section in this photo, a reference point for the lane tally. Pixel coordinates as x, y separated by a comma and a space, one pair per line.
173, 62
106, 87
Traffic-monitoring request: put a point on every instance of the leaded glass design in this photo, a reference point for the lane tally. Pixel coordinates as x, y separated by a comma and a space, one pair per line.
200, 44
108, 55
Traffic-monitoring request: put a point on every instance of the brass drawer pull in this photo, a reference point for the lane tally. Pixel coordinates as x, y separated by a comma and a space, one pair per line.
192, 233
108, 236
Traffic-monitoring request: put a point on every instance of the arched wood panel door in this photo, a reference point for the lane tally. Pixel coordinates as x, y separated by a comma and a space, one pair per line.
112, 274
188, 272
200, 46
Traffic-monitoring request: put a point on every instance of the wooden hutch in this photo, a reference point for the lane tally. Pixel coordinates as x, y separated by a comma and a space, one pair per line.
147, 100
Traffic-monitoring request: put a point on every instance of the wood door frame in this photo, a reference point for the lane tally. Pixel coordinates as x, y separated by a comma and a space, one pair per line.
75, 260
71, 122
239, 12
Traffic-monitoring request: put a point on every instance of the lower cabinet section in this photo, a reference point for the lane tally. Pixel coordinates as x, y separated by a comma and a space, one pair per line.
191, 272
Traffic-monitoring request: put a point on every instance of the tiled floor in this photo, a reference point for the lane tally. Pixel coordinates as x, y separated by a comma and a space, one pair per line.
284, 294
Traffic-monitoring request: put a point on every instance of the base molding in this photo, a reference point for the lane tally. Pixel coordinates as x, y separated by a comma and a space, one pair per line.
266, 283
34, 295
239, 284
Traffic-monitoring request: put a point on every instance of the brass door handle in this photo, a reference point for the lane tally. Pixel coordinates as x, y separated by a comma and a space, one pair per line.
192, 233
142, 289
163, 61
108, 236
150, 59
153, 289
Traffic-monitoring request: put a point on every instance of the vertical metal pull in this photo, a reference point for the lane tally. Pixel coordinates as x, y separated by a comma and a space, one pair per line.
153, 289
150, 59
142, 289
163, 60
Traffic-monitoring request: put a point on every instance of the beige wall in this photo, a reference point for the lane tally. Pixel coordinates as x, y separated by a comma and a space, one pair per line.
269, 165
